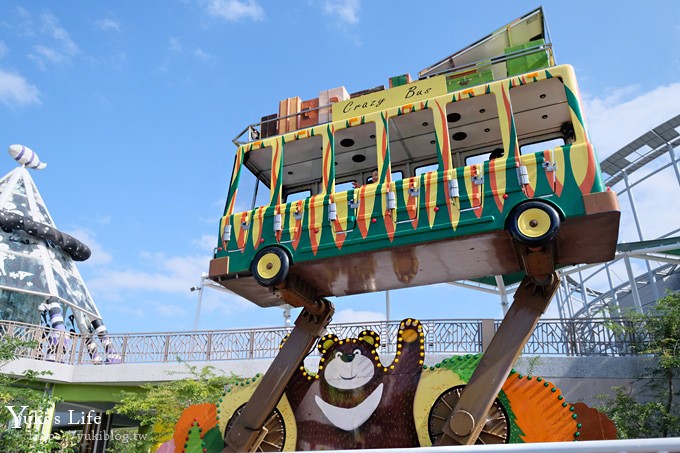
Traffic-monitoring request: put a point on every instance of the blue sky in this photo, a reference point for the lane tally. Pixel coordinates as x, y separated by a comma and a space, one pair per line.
133, 105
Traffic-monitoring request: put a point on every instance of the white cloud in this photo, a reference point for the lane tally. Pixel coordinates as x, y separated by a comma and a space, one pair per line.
15, 91
652, 206
169, 275
42, 55
206, 242
175, 44
130, 312
167, 310
61, 36
103, 101
345, 10
202, 55
23, 12
99, 255
102, 219
108, 24
623, 115
224, 303
349, 315
60, 50
3, 49
235, 10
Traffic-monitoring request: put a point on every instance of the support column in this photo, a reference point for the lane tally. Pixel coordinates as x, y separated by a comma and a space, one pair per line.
503, 291
650, 275
469, 415
615, 298
633, 284
45, 425
101, 432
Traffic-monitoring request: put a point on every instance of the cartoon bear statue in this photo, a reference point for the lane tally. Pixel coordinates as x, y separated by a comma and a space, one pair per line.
355, 401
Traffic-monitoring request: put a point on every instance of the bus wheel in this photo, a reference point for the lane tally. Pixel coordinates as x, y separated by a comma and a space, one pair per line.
534, 223
270, 266
274, 430
496, 429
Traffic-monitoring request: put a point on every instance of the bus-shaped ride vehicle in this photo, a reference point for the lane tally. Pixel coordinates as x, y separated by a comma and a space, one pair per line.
426, 182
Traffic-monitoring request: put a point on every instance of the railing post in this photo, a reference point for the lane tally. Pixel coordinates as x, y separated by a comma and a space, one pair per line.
487, 331
208, 346
37, 337
74, 342
124, 349
573, 342
251, 348
429, 335
82, 346
166, 348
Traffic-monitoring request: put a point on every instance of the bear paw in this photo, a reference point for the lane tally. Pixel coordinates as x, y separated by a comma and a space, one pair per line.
411, 330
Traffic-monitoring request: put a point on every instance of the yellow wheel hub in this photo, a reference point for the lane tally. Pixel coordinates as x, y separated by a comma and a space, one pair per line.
534, 223
269, 265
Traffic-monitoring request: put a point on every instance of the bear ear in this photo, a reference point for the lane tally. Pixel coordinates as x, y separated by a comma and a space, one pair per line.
326, 342
370, 337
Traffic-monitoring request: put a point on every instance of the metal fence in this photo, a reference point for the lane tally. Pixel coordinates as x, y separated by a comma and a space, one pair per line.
611, 337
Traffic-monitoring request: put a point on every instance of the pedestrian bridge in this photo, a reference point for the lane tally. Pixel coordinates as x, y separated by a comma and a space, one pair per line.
552, 337
583, 357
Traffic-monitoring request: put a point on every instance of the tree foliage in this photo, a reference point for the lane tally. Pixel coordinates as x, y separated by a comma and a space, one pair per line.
660, 338
27, 391
158, 407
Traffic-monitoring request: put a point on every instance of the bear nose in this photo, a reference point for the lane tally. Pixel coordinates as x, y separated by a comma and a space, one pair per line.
347, 357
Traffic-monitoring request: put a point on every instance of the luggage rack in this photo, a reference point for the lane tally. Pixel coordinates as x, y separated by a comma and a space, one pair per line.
518, 48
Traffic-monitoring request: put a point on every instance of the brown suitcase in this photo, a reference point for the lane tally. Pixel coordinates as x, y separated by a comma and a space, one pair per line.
330, 97
364, 92
268, 126
309, 113
290, 106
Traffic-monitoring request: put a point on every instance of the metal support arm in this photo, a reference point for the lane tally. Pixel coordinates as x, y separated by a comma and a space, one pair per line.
469, 415
245, 435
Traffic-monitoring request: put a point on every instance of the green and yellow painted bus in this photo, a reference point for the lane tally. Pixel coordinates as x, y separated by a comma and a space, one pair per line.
471, 177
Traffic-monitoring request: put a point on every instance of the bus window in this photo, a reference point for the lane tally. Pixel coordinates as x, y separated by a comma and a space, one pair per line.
344, 186
302, 164
473, 126
355, 153
478, 159
541, 114
397, 176
496, 153
295, 196
255, 180
541, 146
412, 137
426, 169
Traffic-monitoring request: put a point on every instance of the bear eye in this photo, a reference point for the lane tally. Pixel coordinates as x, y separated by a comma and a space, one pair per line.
338, 355
357, 352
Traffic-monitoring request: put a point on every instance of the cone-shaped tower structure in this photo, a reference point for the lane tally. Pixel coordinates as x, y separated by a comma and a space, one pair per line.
36, 259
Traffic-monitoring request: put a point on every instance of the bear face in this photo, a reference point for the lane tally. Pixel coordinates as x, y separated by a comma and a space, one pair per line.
356, 401
350, 384
349, 368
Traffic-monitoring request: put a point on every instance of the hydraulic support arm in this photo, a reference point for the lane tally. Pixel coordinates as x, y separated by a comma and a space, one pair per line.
246, 433
469, 415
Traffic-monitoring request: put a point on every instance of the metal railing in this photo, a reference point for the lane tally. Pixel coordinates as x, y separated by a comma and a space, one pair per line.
449, 336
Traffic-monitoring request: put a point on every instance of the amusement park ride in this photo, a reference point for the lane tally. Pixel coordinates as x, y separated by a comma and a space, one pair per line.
484, 168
